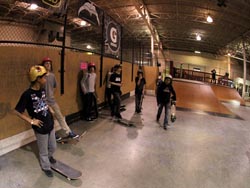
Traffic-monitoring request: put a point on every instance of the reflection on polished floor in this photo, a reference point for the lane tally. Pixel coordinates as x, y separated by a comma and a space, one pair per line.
199, 150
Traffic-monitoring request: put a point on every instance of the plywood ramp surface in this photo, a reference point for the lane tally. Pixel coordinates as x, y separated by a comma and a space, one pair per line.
198, 96
227, 94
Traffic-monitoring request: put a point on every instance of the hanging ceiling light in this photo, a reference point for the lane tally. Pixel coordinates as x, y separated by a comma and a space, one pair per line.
198, 37
209, 19
33, 7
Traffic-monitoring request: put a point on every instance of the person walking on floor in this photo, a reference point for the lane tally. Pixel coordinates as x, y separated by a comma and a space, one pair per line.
140, 83
116, 83
166, 93
39, 117
50, 89
88, 84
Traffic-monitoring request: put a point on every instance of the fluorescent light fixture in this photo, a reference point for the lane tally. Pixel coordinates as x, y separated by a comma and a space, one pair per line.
33, 7
198, 37
209, 19
197, 52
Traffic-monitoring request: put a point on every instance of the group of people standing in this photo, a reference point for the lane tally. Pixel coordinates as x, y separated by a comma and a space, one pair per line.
42, 108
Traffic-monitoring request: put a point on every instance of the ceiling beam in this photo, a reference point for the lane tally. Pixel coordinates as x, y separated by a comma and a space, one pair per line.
143, 11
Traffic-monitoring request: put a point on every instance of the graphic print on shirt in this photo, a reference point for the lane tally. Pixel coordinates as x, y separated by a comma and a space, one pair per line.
117, 79
39, 104
166, 90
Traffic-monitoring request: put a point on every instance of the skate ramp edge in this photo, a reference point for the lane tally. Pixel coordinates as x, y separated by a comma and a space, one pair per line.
199, 97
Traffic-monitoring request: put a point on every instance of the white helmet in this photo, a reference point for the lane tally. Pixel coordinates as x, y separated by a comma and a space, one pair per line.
169, 76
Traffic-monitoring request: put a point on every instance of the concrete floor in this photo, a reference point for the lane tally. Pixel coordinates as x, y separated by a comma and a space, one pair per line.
197, 151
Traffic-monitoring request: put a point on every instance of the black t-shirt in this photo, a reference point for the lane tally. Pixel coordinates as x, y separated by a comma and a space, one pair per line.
139, 88
35, 104
165, 92
116, 78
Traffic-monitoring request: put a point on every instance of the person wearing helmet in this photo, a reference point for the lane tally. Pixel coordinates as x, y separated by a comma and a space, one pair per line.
165, 92
116, 83
39, 117
140, 83
50, 89
88, 84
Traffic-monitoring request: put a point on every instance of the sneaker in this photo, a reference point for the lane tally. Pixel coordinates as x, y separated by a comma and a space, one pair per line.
48, 173
73, 135
89, 119
58, 138
165, 127
52, 160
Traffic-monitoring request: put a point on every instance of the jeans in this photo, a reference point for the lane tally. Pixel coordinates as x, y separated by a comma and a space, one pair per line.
160, 108
46, 145
138, 102
116, 104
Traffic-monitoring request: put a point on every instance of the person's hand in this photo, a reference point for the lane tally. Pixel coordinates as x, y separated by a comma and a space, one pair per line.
37, 123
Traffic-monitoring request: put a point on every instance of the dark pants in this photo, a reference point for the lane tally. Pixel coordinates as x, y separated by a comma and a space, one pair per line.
138, 102
116, 105
90, 104
160, 108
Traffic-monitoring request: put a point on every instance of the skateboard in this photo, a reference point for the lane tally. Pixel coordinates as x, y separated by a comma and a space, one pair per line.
65, 170
125, 122
69, 140
173, 111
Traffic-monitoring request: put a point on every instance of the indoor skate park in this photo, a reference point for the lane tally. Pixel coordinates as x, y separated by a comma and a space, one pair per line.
207, 146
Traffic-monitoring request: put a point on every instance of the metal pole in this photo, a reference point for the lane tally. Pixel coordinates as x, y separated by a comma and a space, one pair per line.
133, 59
102, 50
63, 48
244, 68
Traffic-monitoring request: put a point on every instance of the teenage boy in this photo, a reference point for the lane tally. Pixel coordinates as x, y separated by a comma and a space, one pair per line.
40, 117
116, 83
50, 89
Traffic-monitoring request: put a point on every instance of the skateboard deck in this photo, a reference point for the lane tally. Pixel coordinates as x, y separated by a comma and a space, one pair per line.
173, 112
68, 140
65, 170
125, 122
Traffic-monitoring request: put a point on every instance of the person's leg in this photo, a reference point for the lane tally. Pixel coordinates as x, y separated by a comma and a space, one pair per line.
88, 106
51, 144
139, 102
136, 102
160, 107
42, 143
60, 118
117, 104
166, 106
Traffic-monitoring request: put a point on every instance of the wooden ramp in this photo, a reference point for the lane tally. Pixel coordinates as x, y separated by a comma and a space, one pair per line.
198, 97
227, 94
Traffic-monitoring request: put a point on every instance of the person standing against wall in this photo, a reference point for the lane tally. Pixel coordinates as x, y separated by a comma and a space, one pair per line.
116, 83
50, 90
40, 117
108, 93
88, 84
140, 83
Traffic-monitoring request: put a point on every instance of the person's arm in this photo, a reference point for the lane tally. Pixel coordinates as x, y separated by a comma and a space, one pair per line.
83, 86
173, 93
34, 121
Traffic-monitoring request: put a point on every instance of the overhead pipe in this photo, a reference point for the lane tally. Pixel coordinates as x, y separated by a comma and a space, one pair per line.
244, 68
